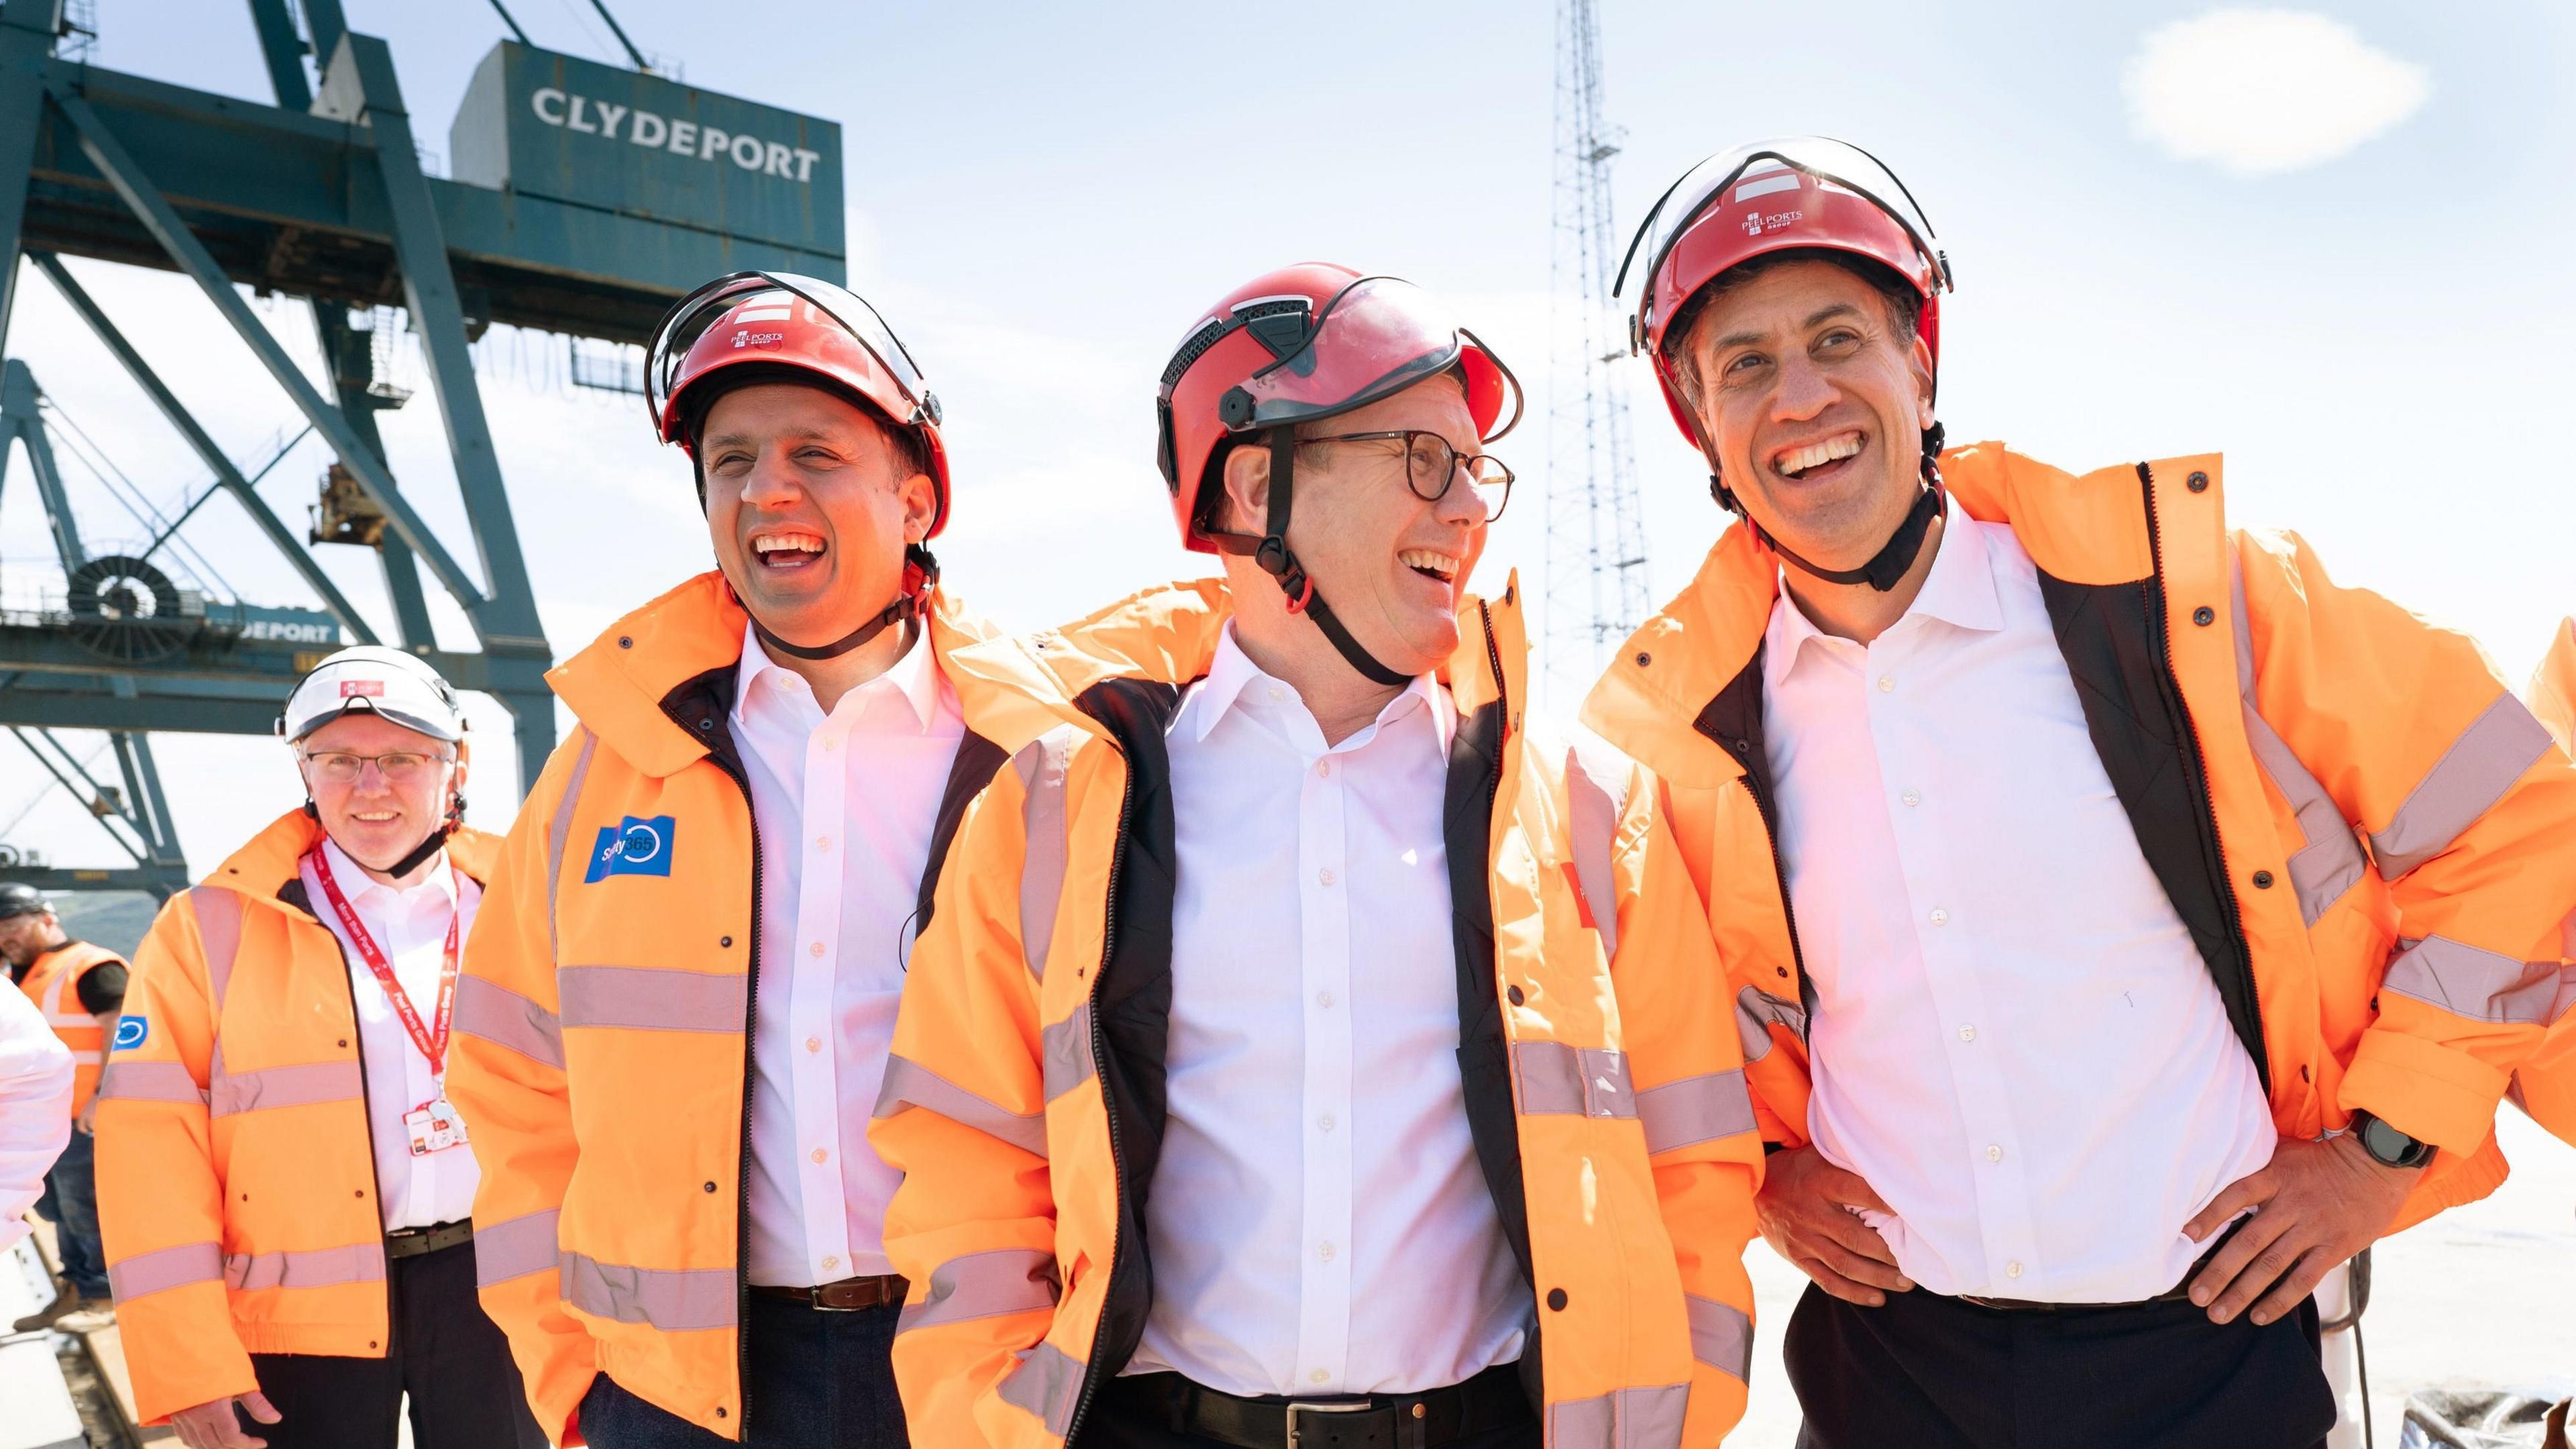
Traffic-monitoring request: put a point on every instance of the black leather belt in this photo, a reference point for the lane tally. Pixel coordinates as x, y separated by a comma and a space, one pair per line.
2178, 1293
412, 1242
845, 1295
1489, 1401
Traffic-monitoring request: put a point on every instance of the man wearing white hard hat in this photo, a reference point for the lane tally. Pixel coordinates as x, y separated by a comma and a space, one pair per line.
284, 1193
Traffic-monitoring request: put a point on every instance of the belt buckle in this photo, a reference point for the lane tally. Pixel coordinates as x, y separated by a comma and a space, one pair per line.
1296, 1407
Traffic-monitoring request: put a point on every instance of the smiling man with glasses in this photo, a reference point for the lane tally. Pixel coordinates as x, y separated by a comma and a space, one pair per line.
1306, 1049
285, 1194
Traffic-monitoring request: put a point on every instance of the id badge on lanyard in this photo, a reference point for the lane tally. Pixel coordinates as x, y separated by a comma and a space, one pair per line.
433, 1126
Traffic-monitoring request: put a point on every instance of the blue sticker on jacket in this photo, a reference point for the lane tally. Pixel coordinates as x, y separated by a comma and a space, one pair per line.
631, 847
130, 1032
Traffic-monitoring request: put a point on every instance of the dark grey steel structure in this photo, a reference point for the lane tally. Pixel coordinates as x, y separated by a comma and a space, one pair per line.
586, 199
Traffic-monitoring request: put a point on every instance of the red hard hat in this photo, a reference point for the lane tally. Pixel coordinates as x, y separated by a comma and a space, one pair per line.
1804, 191
783, 319
1302, 343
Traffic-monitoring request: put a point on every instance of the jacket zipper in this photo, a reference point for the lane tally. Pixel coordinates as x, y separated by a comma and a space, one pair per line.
367, 1114
1091, 1371
1779, 873
2242, 953
742, 1159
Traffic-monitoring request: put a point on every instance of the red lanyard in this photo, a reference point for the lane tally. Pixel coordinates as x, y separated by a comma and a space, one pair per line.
433, 1045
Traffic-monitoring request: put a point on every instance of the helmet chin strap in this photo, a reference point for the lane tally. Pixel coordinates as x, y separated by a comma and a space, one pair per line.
430, 845
1885, 568
1273, 554
920, 572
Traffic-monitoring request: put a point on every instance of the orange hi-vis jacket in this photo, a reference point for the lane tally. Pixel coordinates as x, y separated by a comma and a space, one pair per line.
237, 1194
53, 983
603, 1025
1603, 1084
2546, 1083
2370, 840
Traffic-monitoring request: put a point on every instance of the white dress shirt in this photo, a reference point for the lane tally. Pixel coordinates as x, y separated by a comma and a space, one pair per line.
844, 804
35, 1108
410, 927
2014, 1040
1318, 1221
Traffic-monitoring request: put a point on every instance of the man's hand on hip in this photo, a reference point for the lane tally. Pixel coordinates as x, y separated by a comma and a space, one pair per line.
2317, 1204
1806, 1209
213, 1426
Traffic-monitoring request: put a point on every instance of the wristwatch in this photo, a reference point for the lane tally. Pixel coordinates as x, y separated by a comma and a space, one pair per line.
2386, 1145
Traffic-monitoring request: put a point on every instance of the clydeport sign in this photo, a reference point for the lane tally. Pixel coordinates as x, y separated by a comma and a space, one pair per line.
538, 123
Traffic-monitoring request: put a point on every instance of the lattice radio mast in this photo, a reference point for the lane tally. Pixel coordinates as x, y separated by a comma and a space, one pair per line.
1597, 589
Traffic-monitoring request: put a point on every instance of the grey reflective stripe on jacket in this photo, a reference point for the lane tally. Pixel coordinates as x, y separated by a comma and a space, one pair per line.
1041, 768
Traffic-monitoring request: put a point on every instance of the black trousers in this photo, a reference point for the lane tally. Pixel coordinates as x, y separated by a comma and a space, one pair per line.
820, 1379
1927, 1372
455, 1364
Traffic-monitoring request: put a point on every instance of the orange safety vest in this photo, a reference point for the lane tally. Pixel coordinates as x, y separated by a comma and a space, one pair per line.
53, 983
2545, 1085
1602, 1084
2371, 841
237, 1194
603, 1047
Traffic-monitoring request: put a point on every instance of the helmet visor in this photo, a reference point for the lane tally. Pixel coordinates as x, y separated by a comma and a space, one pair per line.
686, 322
1763, 167
1375, 338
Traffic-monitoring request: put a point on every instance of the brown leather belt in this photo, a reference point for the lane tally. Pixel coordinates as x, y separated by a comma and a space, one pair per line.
845, 1296
412, 1242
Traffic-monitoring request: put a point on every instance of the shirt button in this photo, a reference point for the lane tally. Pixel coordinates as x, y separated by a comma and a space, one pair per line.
1323, 767
2012, 1270
813, 1043
816, 948
831, 1261
1319, 1377
1324, 999
1887, 684
822, 842
829, 743
1325, 1121
1274, 692
1994, 1153
1325, 1252
819, 1154
1912, 797
1325, 875
1940, 917
1967, 1033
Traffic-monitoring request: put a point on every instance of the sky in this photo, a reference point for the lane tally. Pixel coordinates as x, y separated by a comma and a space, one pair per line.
2319, 239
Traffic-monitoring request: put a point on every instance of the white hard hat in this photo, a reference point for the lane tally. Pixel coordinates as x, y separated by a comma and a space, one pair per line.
381, 681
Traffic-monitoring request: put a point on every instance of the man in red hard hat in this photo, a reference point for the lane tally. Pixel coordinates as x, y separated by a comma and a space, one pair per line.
1307, 1050
676, 1007
2128, 923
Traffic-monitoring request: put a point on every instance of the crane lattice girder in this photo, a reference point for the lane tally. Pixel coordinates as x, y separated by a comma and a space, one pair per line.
289, 202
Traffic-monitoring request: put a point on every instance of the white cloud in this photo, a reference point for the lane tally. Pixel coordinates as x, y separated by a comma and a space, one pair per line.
2259, 92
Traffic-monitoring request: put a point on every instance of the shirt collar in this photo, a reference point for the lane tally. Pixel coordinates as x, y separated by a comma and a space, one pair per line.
915, 676
1232, 672
1960, 590
357, 885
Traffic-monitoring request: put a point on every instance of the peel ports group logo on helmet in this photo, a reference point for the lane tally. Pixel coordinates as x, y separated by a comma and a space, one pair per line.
758, 339
632, 847
131, 1032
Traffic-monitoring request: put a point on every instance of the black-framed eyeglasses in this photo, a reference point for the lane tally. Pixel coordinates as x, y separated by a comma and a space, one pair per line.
1432, 466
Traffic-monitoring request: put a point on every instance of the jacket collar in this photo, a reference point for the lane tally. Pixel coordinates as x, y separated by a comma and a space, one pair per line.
266, 865
1029, 684
2089, 529
616, 685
